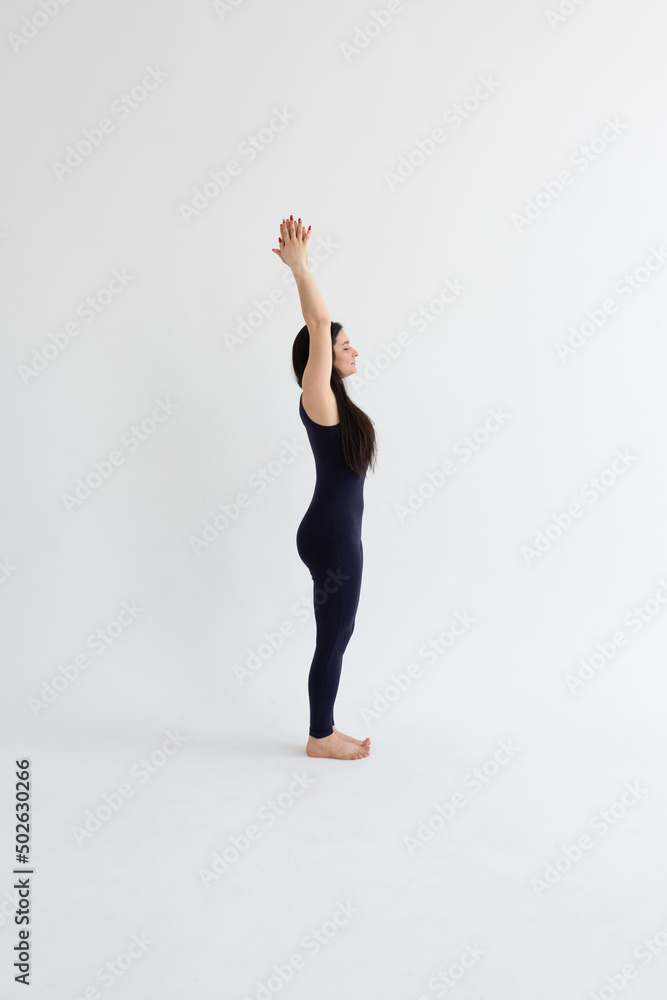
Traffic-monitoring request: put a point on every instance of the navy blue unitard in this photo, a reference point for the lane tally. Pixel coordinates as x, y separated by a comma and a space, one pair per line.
328, 541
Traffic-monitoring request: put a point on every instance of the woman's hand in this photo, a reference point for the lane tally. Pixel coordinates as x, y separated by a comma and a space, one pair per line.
293, 243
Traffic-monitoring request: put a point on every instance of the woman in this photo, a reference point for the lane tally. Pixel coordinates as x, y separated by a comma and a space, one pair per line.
329, 537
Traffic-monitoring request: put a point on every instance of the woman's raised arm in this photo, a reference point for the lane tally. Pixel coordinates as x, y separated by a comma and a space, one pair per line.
294, 252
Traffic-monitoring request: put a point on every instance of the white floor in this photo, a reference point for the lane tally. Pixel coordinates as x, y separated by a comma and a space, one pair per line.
470, 913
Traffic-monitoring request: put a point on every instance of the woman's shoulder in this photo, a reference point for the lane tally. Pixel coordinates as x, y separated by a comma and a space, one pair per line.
320, 406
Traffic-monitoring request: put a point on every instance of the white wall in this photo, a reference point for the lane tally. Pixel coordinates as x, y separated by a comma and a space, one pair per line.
387, 249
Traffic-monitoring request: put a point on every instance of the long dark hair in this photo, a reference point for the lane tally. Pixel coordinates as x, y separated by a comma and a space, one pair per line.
356, 428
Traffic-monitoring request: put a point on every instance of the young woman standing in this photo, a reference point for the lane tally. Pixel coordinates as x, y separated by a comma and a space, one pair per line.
329, 536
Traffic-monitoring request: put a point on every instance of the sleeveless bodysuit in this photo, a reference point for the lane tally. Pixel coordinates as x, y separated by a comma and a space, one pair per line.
328, 541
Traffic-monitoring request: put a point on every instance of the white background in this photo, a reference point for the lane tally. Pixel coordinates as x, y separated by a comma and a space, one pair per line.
382, 249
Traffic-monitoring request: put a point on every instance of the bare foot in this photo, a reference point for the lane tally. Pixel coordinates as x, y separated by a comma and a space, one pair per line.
351, 739
335, 746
